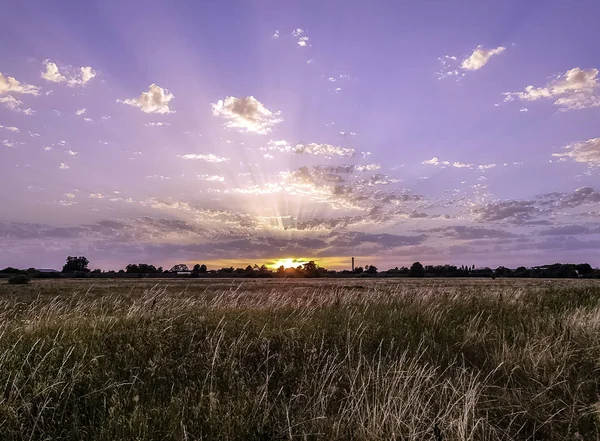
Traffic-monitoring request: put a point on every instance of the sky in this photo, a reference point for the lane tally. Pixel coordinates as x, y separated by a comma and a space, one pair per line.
240, 132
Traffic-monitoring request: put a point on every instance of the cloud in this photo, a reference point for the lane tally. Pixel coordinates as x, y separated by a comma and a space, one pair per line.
310, 149
523, 109
581, 196
86, 74
63, 166
480, 57
246, 114
80, 78
156, 100
213, 178
323, 149
513, 211
297, 32
8, 143
433, 161
208, 158
11, 85
72, 153
302, 41
157, 124
80, 112
10, 129
275, 35
463, 232
569, 230
575, 89
52, 74
586, 152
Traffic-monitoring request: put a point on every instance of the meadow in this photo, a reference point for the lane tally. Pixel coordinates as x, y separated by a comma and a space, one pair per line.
354, 359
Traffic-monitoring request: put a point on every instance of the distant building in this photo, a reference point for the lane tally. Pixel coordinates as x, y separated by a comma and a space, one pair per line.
184, 273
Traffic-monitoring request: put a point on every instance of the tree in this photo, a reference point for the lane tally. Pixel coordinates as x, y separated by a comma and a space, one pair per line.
416, 270
76, 264
371, 269
180, 267
199, 268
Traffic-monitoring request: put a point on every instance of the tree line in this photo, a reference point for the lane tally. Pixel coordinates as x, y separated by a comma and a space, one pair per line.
78, 266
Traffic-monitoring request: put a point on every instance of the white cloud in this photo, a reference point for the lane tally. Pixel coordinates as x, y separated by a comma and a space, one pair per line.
8, 143
267, 156
80, 112
47, 148
88, 119
28, 111
461, 165
80, 78
156, 100
368, 167
302, 41
297, 32
213, 178
480, 57
585, 152
247, 114
275, 35
70, 195
452, 67
575, 89
208, 158
51, 73
486, 166
97, 196
323, 149
433, 161
10, 129
11, 85
523, 109
34, 134
63, 166
311, 149
71, 152
10, 102
157, 124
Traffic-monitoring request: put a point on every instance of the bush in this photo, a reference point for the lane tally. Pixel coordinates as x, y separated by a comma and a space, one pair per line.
19, 279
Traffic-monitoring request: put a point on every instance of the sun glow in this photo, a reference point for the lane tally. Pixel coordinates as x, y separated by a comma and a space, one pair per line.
287, 262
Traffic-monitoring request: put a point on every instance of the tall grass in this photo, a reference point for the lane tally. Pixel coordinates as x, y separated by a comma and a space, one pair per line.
278, 361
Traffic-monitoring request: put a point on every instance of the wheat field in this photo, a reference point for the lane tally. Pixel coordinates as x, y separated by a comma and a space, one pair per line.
355, 359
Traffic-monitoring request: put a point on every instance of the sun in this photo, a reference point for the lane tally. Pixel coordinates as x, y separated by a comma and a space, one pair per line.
287, 262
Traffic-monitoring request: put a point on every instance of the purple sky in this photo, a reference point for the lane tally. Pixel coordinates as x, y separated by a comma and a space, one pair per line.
246, 132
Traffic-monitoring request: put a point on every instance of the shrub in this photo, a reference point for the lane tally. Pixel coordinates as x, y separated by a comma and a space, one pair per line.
19, 279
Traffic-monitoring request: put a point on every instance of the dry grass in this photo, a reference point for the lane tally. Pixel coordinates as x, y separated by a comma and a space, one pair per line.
354, 359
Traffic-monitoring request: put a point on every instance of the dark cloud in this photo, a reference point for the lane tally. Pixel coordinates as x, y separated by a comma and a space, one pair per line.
566, 230
351, 239
471, 233
581, 196
516, 212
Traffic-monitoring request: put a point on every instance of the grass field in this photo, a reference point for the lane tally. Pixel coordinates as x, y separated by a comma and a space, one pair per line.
355, 359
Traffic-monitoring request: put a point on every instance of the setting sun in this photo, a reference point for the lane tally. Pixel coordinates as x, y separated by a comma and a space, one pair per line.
287, 263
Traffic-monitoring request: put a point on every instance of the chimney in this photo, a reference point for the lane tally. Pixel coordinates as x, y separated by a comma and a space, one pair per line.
353, 264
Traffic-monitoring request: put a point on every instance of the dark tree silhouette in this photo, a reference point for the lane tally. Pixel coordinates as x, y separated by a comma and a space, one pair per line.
180, 267
416, 270
76, 264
